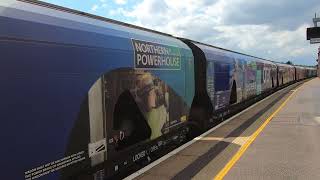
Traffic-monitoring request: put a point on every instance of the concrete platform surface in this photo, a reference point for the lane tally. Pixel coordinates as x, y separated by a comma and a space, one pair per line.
288, 147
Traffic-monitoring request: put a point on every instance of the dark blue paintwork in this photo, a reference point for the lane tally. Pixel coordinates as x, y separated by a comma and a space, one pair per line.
47, 66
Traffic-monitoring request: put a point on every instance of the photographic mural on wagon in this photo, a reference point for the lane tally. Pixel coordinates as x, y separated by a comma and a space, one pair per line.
128, 107
83, 94
233, 77
69, 90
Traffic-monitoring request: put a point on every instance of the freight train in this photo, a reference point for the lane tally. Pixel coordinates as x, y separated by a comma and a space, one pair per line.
85, 97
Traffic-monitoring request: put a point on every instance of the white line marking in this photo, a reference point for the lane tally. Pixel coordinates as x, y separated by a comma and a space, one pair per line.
240, 140
180, 148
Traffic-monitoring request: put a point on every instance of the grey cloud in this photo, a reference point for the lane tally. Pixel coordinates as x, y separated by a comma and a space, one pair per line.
158, 7
279, 14
274, 30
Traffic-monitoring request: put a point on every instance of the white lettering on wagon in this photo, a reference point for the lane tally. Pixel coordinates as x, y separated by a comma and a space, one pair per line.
148, 55
139, 156
54, 166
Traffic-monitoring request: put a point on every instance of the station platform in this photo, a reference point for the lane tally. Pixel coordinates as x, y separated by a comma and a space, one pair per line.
276, 138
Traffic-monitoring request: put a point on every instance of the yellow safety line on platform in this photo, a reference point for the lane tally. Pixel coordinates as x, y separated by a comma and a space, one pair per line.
243, 148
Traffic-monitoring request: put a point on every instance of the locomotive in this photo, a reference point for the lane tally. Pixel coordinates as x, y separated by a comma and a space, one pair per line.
85, 97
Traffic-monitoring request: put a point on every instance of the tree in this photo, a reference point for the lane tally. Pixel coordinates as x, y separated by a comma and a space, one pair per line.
289, 62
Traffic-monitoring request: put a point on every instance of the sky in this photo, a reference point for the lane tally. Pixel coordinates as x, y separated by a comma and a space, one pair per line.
274, 30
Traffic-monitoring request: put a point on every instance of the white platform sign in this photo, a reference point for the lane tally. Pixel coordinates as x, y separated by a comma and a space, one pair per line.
314, 40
